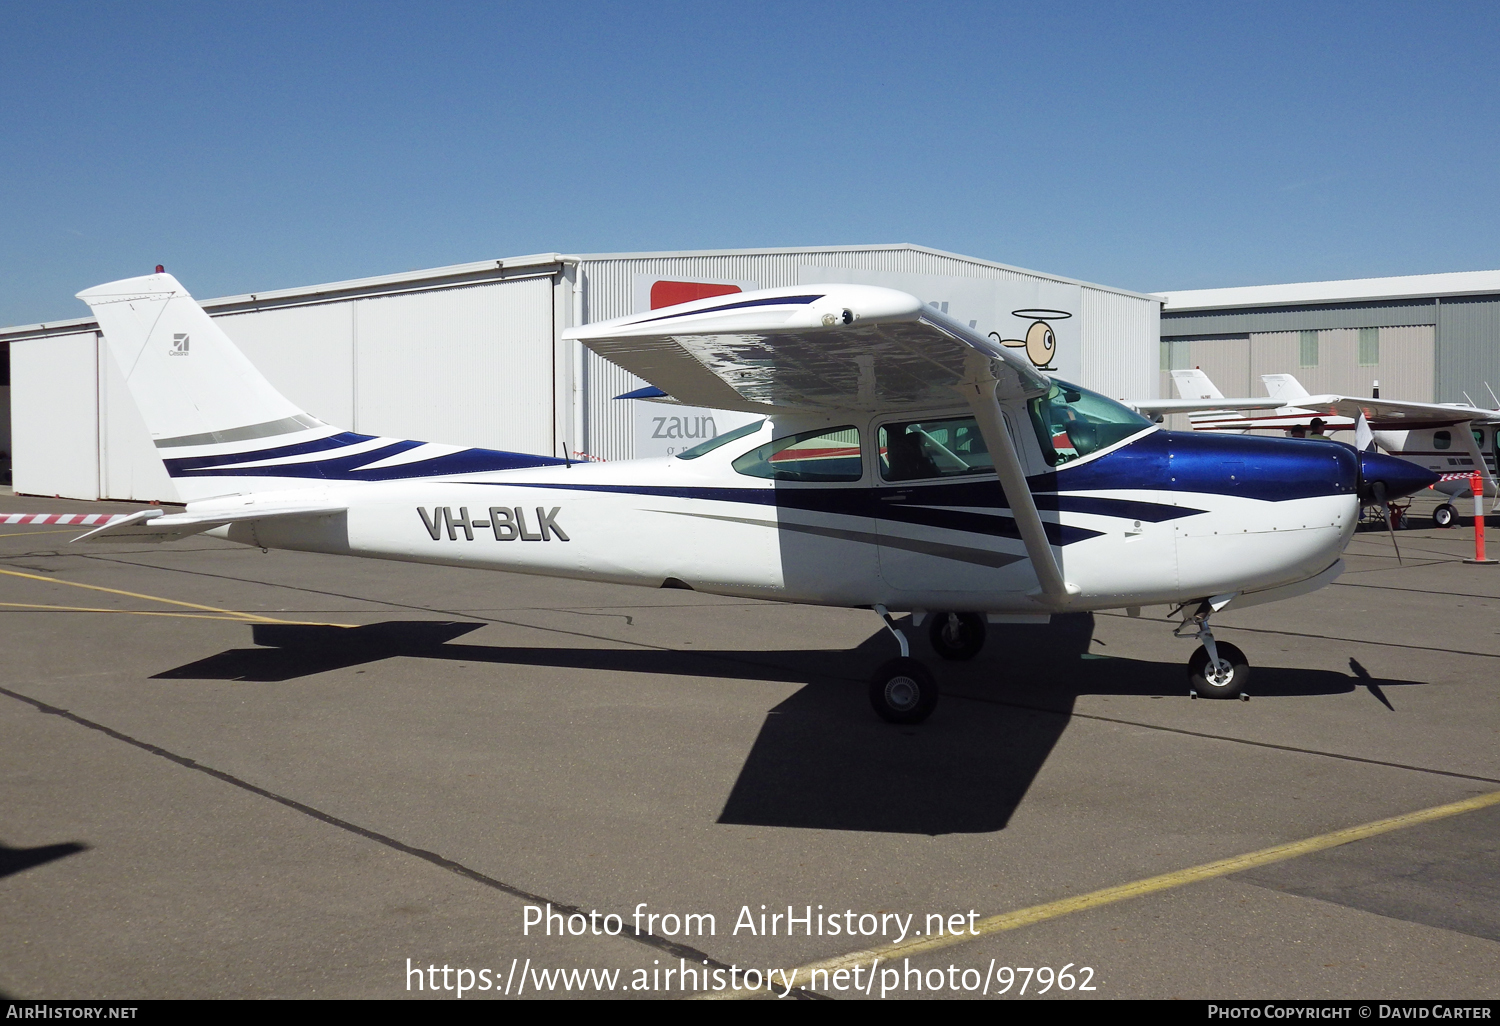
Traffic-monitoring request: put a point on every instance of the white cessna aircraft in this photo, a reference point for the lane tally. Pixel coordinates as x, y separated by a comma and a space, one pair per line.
904, 463
1450, 439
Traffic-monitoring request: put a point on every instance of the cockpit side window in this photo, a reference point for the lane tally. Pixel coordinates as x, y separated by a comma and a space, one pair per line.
1072, 422
1442, 439
827, 454
933, 448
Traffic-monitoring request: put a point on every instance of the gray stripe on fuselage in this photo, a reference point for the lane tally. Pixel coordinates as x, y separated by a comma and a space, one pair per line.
284, 426
963, 554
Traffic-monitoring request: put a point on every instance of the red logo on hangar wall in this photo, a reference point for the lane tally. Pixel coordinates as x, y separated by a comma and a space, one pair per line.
670, 293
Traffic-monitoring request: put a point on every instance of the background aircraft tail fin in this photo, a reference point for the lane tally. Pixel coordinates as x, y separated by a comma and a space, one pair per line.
1285, 387
1194, 384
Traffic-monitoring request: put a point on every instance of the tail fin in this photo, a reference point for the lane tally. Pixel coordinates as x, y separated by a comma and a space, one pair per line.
193, 386
221, 428
1284, 387
1194, 384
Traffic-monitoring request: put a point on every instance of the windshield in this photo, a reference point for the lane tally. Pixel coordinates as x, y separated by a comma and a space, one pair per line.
718, 440
1072, 422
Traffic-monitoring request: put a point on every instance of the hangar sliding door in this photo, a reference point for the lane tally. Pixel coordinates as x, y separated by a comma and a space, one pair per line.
470, 366
129, 466
54, 403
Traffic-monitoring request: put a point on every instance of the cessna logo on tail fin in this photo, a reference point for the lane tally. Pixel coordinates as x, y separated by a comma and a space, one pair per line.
179, 345
508, 523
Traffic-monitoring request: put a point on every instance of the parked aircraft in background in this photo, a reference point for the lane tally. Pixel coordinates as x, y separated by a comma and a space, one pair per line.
1450, 439
903, 463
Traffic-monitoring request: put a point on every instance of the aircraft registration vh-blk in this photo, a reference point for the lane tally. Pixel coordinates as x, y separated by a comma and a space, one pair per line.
904, 464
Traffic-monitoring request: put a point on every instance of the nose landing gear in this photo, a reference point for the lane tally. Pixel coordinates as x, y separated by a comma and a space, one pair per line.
1217, 669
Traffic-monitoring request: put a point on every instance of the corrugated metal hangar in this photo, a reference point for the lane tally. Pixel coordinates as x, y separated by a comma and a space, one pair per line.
472, 354
1426, 337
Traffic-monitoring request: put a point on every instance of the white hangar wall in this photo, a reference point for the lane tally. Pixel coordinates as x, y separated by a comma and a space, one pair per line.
471, 354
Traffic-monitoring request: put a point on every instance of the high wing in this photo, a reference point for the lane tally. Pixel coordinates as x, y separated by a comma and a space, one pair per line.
1203, 405
1200, 395
1381, 414
154, 525
807, 348
1397, 415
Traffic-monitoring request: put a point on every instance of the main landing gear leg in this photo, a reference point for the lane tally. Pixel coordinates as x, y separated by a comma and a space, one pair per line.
1218, 669
902, 690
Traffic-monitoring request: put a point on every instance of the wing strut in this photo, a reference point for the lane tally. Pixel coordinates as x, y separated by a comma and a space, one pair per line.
978, 387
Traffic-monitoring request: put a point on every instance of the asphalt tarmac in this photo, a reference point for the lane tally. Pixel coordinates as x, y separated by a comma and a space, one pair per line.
209, 792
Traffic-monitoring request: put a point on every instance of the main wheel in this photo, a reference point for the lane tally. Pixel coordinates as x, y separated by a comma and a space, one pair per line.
1444, 515
1227, 680
903, 691
957, 636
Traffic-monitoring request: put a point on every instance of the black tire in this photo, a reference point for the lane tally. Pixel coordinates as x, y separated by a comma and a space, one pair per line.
957, 636
1444, 515
903, 691
1217, 687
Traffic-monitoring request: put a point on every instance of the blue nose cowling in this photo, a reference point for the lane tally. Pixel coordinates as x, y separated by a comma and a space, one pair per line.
1400, 477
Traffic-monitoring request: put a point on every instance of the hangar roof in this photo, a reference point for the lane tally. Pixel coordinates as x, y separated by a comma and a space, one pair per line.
1353, 290
482, 271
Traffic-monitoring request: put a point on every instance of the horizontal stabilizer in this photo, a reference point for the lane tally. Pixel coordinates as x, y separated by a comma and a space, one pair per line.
153, 525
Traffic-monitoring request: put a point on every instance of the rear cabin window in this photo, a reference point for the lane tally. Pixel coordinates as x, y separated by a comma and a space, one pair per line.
829, 454
933, 448
718, 440
1072, 422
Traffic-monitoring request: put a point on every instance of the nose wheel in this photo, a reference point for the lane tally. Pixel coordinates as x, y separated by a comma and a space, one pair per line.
1224, 678
1217, 669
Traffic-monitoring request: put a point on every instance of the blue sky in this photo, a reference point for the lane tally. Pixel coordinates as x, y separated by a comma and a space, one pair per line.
252, 146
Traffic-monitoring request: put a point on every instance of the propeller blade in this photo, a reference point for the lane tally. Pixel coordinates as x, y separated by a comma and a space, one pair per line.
1390, 524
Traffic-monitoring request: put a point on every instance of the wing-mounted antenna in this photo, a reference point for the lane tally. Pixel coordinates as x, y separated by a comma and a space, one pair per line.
1491, 391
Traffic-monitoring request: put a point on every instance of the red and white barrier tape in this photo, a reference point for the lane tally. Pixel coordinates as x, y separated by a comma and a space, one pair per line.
60, 518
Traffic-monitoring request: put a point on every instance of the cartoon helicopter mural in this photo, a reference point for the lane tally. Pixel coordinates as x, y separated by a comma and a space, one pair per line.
1040, 342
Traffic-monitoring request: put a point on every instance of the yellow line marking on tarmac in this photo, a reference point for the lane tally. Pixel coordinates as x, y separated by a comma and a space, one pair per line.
1122, 892
232, 618
227, 613
28, 534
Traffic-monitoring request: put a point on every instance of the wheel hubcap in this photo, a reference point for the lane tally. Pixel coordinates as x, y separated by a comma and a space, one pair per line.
1218, 675
901, 693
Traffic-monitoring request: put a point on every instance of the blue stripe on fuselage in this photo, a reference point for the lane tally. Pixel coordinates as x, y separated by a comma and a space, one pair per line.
348, 468
1269, 469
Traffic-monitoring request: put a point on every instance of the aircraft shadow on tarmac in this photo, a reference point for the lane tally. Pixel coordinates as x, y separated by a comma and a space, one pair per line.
14, 860
822, 759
